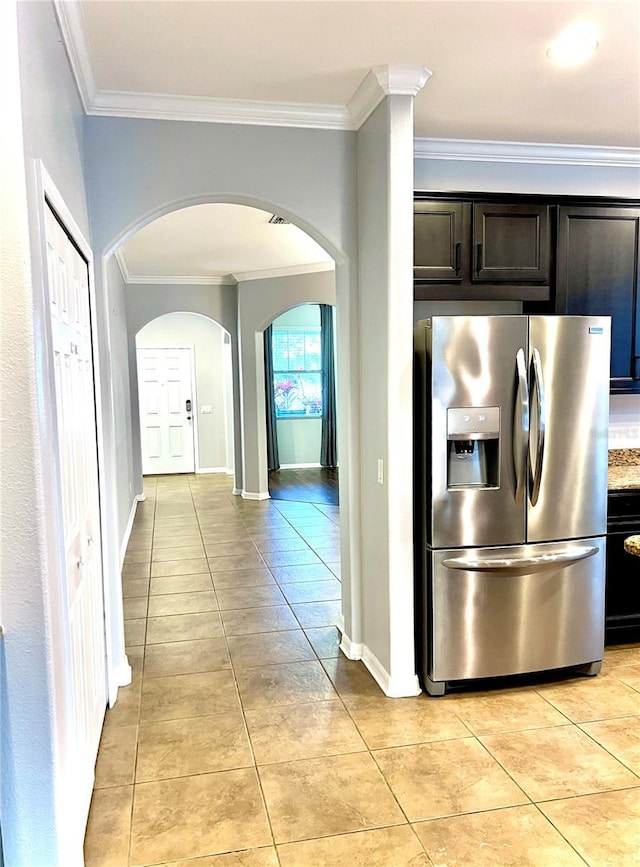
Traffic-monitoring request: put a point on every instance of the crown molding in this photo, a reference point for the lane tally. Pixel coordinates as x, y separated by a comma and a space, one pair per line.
177, 280
75, 41
122, 264
403, 79
398, 79
287, 271
225, 280
149, 279
164, 106
525, 152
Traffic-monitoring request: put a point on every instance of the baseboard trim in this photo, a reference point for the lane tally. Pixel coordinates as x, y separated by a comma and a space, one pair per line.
122, 675
129, 528
249, 495
350, 649
211, 470
393, 687
300, 466
236, 492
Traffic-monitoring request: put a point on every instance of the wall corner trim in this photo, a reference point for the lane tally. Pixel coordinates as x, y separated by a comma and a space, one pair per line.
476, 150
71, 23
350, 649
122, 676
395, 79
249, 495
392, 686
127, 533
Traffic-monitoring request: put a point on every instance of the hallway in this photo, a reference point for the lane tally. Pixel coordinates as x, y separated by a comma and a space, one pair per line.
244, 727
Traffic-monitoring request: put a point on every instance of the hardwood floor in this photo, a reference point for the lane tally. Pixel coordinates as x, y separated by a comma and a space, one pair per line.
313, 485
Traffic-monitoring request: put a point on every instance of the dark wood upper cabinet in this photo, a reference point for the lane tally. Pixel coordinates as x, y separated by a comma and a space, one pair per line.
598, 273
439, 233
481, 251
510, 243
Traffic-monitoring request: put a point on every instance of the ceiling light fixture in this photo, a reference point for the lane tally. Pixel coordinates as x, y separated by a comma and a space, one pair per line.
575, 45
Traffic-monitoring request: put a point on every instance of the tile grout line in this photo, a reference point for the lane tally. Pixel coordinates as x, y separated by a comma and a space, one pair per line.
142, 667
246, 729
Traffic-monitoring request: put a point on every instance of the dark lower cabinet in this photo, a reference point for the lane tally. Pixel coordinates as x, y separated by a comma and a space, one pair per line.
622, 623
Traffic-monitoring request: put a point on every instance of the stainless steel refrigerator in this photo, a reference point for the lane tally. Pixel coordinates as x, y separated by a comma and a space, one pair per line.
511, 494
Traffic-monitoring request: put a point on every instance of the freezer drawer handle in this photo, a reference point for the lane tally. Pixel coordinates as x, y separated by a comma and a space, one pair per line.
521, 564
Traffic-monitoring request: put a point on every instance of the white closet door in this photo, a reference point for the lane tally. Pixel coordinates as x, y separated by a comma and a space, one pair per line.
166, 404
76, 417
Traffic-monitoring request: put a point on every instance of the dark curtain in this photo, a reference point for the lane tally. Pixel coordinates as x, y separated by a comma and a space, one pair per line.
273, 459
329, 447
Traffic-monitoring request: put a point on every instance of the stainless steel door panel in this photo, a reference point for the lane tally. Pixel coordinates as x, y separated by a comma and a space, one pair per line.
569, 427
540, 608
474, 365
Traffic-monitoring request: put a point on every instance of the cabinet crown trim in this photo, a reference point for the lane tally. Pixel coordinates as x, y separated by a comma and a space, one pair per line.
525, 152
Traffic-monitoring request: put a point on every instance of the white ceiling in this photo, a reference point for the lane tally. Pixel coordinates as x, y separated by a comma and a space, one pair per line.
300, 63
491, 78
220, 242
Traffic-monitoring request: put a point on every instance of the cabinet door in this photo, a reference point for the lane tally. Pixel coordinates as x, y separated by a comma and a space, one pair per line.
439, 254
623, 591
510, 243
598, 274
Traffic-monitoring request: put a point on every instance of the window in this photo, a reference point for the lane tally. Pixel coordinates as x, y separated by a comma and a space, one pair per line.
297, 365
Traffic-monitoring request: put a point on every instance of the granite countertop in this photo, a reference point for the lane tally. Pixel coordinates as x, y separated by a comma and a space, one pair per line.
624, 469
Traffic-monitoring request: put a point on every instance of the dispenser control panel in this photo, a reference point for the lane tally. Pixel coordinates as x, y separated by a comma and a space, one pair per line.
473, 422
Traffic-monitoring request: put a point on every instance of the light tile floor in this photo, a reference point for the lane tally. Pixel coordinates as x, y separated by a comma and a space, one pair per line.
246, 740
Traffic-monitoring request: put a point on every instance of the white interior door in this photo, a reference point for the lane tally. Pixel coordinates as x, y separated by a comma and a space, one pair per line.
78, 461
166, 403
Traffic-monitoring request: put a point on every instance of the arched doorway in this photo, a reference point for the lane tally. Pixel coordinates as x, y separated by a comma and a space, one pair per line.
300, 363
252, 459
185, 395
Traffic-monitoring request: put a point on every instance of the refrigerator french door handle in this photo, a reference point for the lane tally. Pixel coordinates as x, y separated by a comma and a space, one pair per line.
535, 475
521, 564
521, 427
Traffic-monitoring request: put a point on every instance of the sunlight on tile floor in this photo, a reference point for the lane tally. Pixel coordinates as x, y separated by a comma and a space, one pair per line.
246, 740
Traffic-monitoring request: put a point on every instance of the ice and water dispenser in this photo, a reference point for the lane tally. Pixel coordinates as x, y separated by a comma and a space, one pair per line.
473, 447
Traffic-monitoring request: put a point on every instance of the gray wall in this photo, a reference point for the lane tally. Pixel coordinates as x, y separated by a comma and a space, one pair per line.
513, 177
385, 211
373, 209
207, 339
141, 169
34, 727
125, 489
